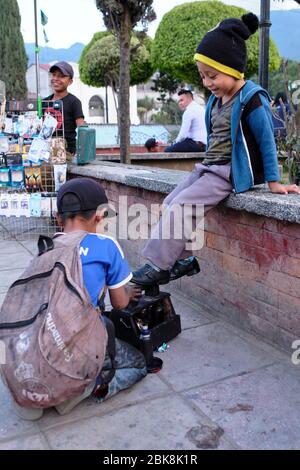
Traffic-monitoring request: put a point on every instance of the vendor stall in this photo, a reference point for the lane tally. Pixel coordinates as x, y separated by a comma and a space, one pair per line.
32, 167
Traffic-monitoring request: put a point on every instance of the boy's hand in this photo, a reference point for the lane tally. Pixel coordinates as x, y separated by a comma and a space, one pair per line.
134, 293
278, 188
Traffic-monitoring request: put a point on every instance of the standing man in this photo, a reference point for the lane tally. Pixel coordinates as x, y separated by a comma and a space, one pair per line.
192, 134
61, 78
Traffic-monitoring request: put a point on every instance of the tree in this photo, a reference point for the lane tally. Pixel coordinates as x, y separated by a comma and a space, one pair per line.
13, 60
277, 78
121, 17
165, 85
182, 29
99, 63
169, 114
145, 105
84, 75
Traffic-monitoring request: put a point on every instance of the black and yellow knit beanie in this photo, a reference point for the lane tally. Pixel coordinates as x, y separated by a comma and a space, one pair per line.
224, 48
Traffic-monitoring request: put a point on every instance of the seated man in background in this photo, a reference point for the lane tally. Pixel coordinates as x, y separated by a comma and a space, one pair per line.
192, 134
151, 145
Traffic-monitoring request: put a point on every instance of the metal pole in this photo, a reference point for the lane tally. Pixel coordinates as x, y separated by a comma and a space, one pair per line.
37, 61
264, 35
106, 104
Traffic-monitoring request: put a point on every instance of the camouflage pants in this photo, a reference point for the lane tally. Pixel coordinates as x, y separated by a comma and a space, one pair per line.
128, 366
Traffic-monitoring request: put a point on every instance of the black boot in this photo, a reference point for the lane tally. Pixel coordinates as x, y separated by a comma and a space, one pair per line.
188, 266
147, 275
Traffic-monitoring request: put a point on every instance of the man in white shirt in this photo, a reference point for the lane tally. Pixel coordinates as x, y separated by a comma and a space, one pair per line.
192, 134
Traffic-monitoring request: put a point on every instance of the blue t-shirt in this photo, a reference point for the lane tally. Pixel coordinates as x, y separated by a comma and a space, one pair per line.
103, 265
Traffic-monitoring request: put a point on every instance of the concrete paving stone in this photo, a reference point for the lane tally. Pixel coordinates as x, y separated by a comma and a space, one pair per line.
30, 245
147, 389
208, 353
7, 277
189, 316
35, 442
155, 424
257, 342
191, 313
11, 247
212, 316
11, 426
16, 260
259, 410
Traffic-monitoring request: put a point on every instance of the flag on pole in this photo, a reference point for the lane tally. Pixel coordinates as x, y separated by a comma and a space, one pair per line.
44, 21
44, 18
45, 36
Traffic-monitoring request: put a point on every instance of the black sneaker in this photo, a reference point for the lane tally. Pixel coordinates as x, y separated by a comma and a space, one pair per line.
188, 266
147, 275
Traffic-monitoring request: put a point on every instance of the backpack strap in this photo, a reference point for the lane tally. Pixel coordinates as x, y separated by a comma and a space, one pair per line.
109, 366
44, 244
252, 104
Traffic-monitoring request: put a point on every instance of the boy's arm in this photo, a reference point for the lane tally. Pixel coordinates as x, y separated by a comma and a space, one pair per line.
118, 275
119, 298
78, 113
260, 123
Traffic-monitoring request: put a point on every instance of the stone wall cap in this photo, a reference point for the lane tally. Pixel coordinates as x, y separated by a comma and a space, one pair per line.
257, 201
152, 156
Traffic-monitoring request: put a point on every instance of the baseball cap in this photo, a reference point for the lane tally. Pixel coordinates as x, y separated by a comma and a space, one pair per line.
90, 194
65, 68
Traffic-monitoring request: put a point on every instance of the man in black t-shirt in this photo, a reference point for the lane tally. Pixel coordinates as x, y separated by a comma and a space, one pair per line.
61, 78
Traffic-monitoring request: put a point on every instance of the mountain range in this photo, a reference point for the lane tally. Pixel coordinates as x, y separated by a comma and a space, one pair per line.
48, 54
285, 32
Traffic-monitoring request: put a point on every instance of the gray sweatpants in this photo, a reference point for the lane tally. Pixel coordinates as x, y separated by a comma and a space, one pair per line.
206, 186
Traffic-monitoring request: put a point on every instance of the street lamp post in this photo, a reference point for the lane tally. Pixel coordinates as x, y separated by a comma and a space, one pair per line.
37, 61
264, 35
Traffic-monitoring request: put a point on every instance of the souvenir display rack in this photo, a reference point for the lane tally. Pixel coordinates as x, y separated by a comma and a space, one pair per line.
32, 168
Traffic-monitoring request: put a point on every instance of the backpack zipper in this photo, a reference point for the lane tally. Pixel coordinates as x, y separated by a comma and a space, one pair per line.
22, 323
58, 265
44, 306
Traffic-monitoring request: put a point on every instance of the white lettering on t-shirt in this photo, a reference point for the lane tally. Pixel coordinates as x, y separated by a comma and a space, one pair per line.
83, 251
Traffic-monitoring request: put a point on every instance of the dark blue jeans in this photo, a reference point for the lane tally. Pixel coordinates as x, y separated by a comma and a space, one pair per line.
186, 145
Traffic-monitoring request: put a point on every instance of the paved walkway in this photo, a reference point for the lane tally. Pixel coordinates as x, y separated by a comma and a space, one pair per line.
219, 388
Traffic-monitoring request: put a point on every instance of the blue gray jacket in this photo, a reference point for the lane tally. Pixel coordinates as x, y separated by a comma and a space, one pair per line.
254, 153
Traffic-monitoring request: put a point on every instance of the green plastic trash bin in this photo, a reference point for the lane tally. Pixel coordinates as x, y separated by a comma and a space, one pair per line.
86, 145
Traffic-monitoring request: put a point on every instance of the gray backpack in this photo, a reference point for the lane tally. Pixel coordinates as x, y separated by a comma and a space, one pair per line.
54, 340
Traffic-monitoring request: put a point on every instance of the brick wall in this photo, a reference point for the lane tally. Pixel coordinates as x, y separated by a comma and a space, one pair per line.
250, 268
251, 273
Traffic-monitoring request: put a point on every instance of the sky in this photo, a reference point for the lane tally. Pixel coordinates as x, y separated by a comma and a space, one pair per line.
71, 21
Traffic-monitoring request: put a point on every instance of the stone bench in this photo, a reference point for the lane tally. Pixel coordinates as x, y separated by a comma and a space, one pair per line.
173, 161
